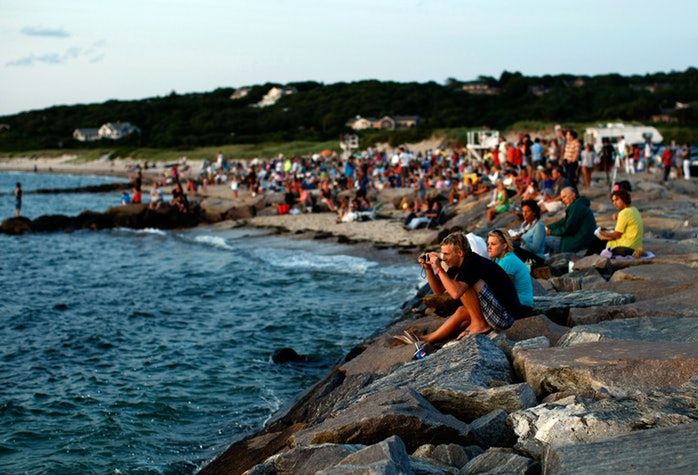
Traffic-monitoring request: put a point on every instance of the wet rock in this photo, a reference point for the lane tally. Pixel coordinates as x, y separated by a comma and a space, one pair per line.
665, 450
470, 405
54, 222
580, 298
645, 328
15, 226
491, 430
532, 327
287, 355
575, 419
387, 456
373, 418
501, 460
616, 367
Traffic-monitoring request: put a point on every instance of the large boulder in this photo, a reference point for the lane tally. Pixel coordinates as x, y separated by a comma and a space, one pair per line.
375, 417
16, 226
588, 278
613, 366
501, 460
473, 363
387, 456
491, 430
532, 327
645, 328
308, 459
670, 450
574, 419
470, 405
54, 222
579, 298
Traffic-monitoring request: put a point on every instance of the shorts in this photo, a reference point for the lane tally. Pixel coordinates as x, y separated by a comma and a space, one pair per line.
494, 312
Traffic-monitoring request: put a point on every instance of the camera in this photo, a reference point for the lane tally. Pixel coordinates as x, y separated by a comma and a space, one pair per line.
424, 257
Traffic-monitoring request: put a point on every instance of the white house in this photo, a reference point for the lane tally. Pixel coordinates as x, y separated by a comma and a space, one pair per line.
86, 135
117, 130
274, 94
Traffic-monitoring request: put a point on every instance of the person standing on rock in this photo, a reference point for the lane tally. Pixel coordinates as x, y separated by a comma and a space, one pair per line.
18, 199
488, 297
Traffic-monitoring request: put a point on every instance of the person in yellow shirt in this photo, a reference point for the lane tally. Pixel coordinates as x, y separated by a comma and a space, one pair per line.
629, 232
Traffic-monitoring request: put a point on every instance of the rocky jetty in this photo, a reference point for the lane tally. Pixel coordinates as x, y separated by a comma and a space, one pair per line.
606, 370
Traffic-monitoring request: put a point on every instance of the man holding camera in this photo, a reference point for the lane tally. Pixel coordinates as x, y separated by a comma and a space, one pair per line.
488, 297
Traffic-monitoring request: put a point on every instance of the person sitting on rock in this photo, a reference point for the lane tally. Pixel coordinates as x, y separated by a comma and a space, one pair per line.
179, 199
574, 232
499, 203
500, 248
428, 216
488, 297
529, 239
626, 239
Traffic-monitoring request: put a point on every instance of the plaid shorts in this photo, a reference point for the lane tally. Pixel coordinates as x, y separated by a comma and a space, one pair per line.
496, 315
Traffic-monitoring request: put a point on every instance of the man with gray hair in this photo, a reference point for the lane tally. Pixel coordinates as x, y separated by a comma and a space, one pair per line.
487, 295
574, 232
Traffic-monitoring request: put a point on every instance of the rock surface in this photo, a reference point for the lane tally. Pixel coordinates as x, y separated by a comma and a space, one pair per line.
574, 419
373, 418
499, 460
614, 366
672, 450
580, 298
644, 328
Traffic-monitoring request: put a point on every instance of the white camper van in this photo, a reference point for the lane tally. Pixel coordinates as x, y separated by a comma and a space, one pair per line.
634, 135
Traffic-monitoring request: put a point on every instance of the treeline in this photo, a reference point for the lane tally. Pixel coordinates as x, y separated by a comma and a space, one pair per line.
320, 111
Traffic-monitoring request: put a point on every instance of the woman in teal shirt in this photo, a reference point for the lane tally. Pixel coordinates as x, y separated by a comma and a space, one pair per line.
500, 249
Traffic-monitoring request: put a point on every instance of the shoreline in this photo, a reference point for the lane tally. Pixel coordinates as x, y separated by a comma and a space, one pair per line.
376, 395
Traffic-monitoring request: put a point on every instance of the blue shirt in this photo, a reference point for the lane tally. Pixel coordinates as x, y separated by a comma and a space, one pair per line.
533, 239
520, 275
537, 152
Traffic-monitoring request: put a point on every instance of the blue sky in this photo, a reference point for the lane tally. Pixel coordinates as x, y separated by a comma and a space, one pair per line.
79, 51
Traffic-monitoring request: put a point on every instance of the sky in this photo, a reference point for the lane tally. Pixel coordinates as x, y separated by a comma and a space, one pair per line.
64, 52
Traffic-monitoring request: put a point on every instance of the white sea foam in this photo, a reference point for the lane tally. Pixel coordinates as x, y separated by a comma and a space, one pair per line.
299, 259
214, 241
153, 231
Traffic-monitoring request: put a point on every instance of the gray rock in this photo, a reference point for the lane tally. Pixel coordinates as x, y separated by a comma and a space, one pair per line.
308, 459
613, 366
559, 263
573, 420
530, 344
594, 261
499, 460
470, 405
590, 315
449, 456
578, 280
657, 274
375, 417
389, 453
672, 450
580, 298
539, 288
644, 328
535, 326
491, 430
473, 363
377, 468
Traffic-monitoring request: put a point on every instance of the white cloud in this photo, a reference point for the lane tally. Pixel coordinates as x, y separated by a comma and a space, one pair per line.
45, 31
94, 54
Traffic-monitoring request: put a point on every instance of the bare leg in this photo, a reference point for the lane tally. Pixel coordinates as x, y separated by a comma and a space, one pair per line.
456, 322
472, 303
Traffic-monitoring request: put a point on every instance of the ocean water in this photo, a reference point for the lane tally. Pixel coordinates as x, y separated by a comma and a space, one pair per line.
127, 351
69, 204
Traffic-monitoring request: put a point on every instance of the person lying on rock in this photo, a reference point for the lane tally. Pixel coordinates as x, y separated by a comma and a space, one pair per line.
487, 295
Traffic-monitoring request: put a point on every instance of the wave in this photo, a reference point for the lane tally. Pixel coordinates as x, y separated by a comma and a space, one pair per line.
213, 241
298, 259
